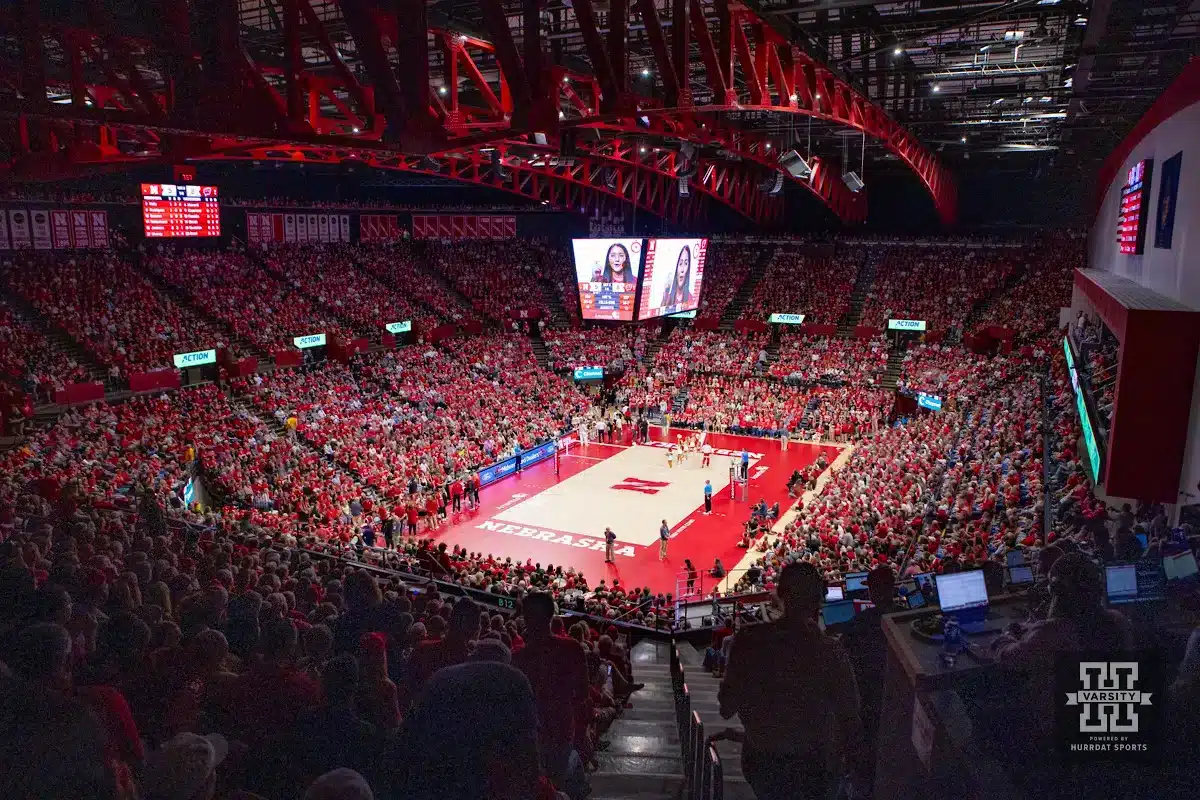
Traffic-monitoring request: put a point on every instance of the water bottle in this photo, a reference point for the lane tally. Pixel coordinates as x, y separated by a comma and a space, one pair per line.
951, 641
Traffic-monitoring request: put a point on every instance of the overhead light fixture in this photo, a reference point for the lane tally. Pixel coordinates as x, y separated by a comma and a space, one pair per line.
645, 73
792, 97
937, 87
354, 129
1046, 99
964, 140
1028, 100
1081, 20
1048, 2
1068, 83
566, 78
641, 149
898, 51
818, 95
441, 90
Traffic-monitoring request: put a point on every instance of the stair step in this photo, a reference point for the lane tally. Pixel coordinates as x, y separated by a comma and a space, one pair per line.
634, 786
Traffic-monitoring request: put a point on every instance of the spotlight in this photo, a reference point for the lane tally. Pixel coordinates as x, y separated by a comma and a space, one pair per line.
964, 140
645, 73
937, 87
898, 51
355, 130
441, 90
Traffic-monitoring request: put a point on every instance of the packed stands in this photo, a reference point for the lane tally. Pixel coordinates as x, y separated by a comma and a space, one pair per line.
939, 285
1031, 306
727, 269
943, 370
256, 306
809, 359
330, 275
806, 281
28, 360
113, 310
497, 277
595, 347
712, 351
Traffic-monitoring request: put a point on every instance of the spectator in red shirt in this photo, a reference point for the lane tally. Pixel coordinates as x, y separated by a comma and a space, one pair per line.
269, 698
557, 671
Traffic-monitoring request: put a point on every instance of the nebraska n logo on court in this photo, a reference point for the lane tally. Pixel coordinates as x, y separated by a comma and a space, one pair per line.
639, 485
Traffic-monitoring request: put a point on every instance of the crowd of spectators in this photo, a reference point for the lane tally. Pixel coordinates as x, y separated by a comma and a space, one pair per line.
727, 269
112, 310
29, 361
329, 273
939, 285
258, 307
814, 282
948, 371
810, 359
694, 350
497, 277
398, 265
146, 659
1031, 305
595, 347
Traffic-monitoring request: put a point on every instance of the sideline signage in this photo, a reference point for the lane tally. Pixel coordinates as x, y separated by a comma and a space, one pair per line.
589, 373
906, 324
399, 327
197, 359
305, 342
786, 319
930, 401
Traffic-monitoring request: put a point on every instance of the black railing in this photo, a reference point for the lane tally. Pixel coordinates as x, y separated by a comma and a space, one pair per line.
704, 778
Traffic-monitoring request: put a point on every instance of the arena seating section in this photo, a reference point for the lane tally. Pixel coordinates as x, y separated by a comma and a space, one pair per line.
295, 460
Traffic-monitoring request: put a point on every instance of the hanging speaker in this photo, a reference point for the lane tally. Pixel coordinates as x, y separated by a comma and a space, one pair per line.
853, 182
795, 164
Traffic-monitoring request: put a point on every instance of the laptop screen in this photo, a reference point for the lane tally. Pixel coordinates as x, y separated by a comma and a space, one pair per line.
837, 613
1020, 575
1180, 566
925, 582
1120, 582
915, 600
1014, 558
833, 593
856, 581
962, 590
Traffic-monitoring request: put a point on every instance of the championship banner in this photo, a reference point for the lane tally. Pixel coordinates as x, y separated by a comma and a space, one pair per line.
323, 227
60, 226
39, 219
458, 227
302, 228
98, 229
289, 227
252, 235
79, 229
345, 226
18, 228
4, 245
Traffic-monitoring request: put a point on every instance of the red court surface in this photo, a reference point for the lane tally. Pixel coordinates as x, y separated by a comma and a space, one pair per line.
560, 519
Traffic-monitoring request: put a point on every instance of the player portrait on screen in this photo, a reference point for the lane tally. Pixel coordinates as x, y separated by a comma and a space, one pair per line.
679, 290
606, 271
672, 277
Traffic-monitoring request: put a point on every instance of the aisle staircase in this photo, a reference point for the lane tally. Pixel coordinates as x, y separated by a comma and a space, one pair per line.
758, 269
61, 341
895, 362
679, 401
643, 760
258, 257
559, 318
862, 287
954, 336
184, 299
540, 351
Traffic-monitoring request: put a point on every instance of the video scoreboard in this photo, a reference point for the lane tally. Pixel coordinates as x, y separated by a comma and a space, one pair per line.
174, 210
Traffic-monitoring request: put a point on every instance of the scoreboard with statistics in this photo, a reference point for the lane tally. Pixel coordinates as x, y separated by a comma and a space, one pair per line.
171, 210
1135, 198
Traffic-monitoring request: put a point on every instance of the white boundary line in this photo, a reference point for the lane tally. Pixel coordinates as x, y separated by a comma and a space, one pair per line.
588, 458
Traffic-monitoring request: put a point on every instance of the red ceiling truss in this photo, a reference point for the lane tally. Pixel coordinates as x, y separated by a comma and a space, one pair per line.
80, 92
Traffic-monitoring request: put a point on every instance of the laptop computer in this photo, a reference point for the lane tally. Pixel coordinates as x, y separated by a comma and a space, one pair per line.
1020, 576
837, 613
1014, 558
927, 584
856, 581
1180, 567
963, 595
1134, 583
833, 594
915, 600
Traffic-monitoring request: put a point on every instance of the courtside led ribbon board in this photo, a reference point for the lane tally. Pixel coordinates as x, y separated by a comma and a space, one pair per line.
930, 401
304, 342
684, 315
399, 327
196, 359
589, 373
906, 324
786, 319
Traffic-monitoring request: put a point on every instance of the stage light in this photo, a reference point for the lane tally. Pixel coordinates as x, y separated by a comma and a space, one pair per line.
898, 51
441, 90
937, 87
645, 73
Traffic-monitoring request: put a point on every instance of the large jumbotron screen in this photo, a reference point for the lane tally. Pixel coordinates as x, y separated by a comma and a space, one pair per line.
171, 210
606, 271
672, 277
